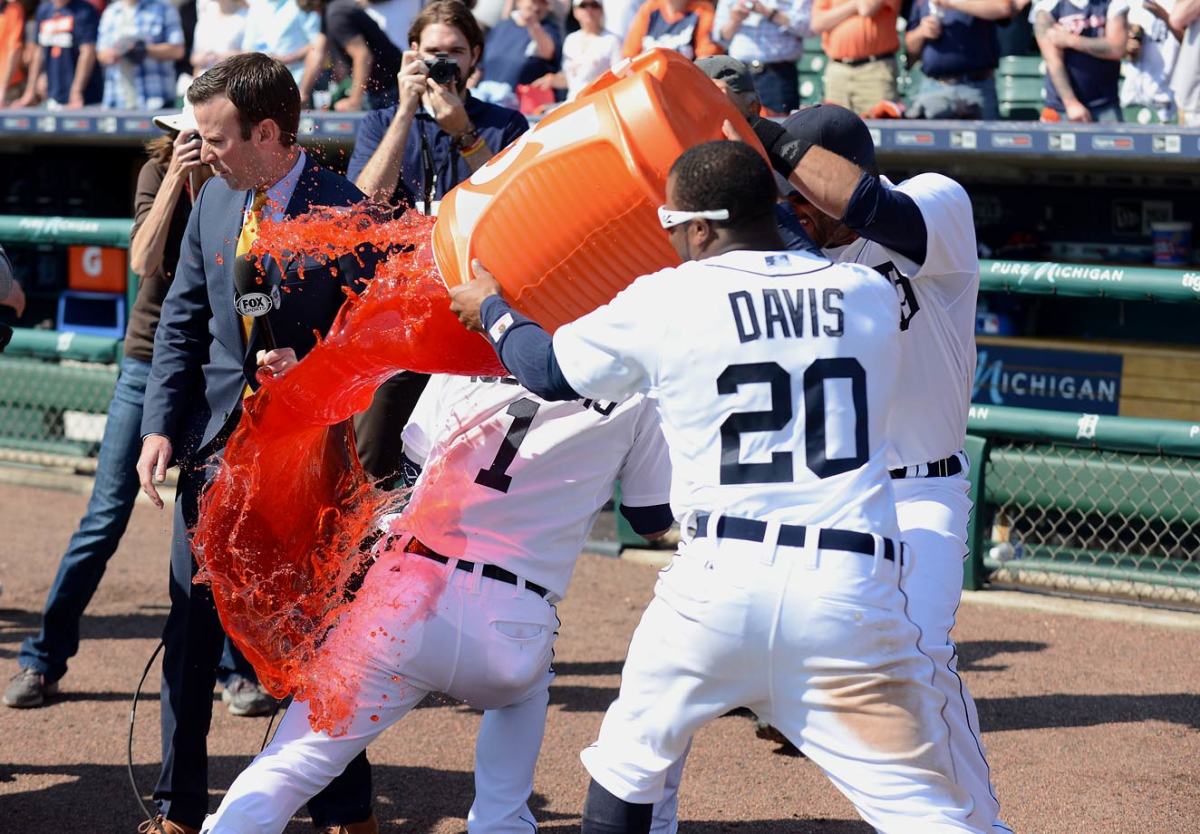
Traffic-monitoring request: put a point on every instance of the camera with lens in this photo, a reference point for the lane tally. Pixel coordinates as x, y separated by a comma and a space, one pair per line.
443, 70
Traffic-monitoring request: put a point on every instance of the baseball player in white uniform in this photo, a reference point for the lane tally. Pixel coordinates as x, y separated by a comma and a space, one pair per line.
920, 235
773, 374
509, 487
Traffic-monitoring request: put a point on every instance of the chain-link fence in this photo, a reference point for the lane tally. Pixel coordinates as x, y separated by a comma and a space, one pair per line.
1085, 517
55, 389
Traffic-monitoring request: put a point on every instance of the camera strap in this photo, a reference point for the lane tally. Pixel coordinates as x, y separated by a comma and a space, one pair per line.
430, 172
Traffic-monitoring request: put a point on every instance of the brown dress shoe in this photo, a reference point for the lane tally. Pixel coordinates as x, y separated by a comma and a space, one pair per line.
368, 826
161, 825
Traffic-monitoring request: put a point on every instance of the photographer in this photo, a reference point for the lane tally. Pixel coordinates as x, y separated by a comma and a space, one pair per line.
438, 134
412, 154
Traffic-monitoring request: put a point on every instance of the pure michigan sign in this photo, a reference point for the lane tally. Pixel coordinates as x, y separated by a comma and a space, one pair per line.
1055, 380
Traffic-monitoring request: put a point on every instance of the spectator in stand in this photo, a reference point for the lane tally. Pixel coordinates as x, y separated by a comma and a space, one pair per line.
1082, 43
1150, 51
357, 41
587, 52
12, 51
618, 16
138, 45
769, 40
859, 36
957, 45
64, 65
685, 26
456, 133
279, 29
1016, 33
393, 17
523, 47
1185, 81
220, 31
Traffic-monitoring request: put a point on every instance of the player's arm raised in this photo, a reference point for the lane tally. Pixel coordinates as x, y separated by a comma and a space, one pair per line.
524, 347
843, 190
609, 354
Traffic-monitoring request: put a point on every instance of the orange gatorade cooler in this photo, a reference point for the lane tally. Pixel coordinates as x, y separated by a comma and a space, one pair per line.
565, 216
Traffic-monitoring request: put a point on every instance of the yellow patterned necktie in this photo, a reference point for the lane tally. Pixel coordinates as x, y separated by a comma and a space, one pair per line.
246, 239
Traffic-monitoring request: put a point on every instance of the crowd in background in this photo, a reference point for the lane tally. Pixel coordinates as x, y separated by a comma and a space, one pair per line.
1099, 55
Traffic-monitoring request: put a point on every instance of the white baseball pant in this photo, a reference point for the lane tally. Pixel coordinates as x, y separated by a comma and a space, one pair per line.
933, 515
487, 643
815, 641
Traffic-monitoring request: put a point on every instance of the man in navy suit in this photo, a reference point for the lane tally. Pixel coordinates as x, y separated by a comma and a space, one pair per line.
248, 111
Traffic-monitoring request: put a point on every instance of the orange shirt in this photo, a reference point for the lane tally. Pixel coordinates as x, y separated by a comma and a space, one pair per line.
12, 38
861, 37
688, 32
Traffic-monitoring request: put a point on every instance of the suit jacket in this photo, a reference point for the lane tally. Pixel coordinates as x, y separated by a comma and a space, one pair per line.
201, 362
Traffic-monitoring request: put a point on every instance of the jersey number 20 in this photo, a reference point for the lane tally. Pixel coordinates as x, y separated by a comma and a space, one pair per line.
780, 468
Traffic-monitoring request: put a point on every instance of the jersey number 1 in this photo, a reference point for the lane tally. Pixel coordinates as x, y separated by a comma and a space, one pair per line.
780, 468
495, 476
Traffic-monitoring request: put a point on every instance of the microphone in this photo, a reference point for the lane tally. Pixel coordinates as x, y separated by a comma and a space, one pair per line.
250, 301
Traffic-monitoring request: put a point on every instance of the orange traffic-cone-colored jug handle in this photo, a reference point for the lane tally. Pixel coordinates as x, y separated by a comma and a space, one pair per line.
565, 216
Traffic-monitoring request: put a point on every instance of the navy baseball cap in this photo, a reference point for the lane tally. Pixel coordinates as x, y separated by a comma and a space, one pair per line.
837, 130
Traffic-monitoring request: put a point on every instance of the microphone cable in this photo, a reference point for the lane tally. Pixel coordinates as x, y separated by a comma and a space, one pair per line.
156, 827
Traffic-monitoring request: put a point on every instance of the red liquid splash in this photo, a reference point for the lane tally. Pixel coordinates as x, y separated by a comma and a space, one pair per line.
281, 526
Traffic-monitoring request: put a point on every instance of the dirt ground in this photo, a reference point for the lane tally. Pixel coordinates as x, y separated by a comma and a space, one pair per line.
1093, 725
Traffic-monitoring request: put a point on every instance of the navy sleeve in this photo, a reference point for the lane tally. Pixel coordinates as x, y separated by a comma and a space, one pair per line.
888, 217
915, 15
87, 27
647, 520
526, 350
370, 134
792, 232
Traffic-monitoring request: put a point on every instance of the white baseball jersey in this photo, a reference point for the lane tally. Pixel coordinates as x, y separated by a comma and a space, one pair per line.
928, 418
518, 481
773, 373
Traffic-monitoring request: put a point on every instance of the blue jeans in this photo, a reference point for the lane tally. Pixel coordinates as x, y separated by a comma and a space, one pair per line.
778, 87
99, 533
963, 99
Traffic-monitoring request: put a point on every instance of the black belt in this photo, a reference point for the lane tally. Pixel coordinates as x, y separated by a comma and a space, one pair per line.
793, 535
978, 75
944, 468
490, 571
759, 67
870, 59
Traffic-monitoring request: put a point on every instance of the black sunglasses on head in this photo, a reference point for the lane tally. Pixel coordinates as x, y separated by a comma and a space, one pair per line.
588, 5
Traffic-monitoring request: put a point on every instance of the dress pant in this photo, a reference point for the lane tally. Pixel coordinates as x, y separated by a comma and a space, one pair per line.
377, 430
192, 641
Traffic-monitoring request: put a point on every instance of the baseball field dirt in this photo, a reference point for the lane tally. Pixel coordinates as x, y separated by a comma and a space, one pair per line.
1092, 723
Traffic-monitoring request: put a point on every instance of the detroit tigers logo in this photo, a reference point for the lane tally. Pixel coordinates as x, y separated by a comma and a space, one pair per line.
908, 298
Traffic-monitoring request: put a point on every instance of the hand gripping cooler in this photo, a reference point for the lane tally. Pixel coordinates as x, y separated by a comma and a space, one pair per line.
565, 216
